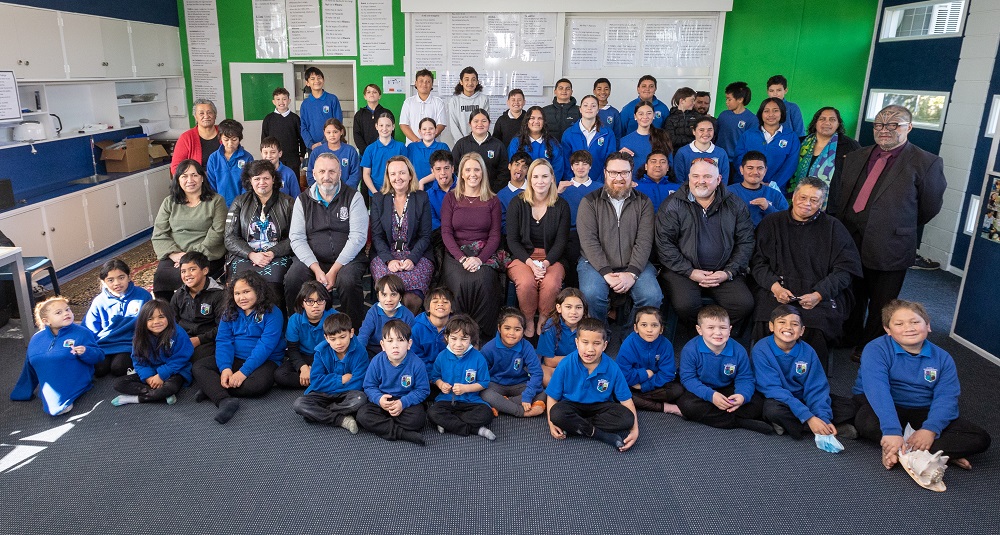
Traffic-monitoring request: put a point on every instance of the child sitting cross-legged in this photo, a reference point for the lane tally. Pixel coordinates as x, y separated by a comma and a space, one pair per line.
396, 385
161, 356
461, 372
515, 371
646, 358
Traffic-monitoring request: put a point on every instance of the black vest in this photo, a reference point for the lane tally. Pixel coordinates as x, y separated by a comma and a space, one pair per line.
327, 227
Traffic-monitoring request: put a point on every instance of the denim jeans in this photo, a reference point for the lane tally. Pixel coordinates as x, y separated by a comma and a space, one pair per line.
645, 292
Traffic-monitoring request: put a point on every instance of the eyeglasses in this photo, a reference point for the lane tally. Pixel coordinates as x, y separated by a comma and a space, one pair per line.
887, 126
618, 174
312, 302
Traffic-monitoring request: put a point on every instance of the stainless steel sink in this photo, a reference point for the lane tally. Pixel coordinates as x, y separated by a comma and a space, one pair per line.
92, 179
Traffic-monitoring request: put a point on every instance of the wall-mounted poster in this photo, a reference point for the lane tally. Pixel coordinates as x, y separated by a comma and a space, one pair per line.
991, 221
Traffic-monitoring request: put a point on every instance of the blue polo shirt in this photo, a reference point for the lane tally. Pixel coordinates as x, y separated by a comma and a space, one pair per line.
436, 197
376, 157
572, 382
703, 372
547, 346
468, 369
795, 378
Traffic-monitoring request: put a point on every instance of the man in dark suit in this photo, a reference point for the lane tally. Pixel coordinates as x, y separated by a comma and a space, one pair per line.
884, 194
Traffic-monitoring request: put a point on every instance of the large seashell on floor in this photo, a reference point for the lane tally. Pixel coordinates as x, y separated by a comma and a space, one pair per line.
926, 469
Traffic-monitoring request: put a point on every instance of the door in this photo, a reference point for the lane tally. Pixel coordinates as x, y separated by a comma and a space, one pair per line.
68, 237
104, 217
170, 51
252, 85
135, 207
146, 49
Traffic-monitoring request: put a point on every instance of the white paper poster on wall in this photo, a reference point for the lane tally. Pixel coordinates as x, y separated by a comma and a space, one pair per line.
269, 35
538, 42
375, 31
502, 34
305, 36
528, 81
430, 40
584, 40
468, 42
204, 52
621, 44
340, 28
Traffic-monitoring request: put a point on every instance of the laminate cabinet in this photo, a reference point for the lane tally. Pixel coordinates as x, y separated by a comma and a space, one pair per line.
30, 43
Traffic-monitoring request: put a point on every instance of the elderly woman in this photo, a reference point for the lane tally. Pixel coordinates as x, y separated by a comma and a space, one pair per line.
824, 148
202, 140
470, 230
537, 233
191, 218
401, 232
257, 226
805, 258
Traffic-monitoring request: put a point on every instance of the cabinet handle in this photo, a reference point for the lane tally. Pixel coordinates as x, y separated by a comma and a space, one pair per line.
20, 62
124, 203
53, 229
43, 233
104, 64
26, 62
118, 206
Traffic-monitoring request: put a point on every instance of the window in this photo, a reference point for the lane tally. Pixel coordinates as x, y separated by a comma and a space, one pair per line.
928, 107
923, 20
991, 122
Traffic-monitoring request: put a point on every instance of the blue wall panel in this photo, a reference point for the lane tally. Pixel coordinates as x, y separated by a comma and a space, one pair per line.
154, 11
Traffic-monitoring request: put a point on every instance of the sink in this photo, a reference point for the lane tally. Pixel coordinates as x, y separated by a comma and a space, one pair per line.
92, 179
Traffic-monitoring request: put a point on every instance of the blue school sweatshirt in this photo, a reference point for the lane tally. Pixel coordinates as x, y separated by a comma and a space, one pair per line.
640, 146
611, 117
782, 153
289, 181
731, 128
660, 113
600, 147
420, 156
175, 359
688, 153
773, 196
306, 335
314, 113
793, 119
539, 149
64, 375
436, 197
326, 374
574, 194
112, 318
890, 376
795, 378
656, 191
376, 157
547, 346
703, 372
371, 328
428, 341
350, 163
572, 382
637, 355
224, 175
408, 381
254, 338
514, 365
468, 369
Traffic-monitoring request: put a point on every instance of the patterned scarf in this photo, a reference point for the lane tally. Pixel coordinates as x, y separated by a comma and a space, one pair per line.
821, 168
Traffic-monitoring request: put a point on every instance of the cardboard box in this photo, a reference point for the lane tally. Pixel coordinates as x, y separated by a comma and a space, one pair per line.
157, 152
133, 157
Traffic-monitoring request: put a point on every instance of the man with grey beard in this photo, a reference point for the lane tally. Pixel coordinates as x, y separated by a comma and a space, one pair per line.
328, 232
615, 224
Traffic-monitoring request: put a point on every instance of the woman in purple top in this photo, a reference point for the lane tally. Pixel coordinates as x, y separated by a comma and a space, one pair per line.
470, 230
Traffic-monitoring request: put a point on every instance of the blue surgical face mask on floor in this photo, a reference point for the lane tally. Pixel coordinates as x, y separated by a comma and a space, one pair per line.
829, 443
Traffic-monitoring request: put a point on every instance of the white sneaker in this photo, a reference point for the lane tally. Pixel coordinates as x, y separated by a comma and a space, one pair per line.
350, 424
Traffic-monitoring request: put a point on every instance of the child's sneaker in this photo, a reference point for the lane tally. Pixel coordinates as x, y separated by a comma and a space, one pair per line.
350, 424
171, 400
486, 433
441, 429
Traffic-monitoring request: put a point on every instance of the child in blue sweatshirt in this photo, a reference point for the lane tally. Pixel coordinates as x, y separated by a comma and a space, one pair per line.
704, 129
717, 378
390, 289
588, 395
396, 386
646, 359
906, 379
317, 107
350, 160
608, 114
335, 378
793, 383
515, 371
270, 150
428, 327
558, 332
248, 348
61, 356
777, 87
304, 332
460, 373
112, 317
420, 152
736, 119
225, 166
599, 140
161, 355
761, 198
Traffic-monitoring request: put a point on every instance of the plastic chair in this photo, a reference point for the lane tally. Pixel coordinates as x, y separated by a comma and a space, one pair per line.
32, 265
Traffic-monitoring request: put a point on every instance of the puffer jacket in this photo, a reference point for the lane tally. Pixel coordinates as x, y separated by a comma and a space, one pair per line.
242, 213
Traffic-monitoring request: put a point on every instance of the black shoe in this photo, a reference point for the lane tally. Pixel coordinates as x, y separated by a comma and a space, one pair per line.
414, 437
925, 264
856, 354
199, 396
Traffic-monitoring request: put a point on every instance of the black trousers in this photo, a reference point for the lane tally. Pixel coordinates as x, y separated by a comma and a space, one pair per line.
117, 364
348, 286
287, 375
654, 399
329, 409
205, 350
376, 420
871, 294
167, 278
776, 412
685, 296
461, 418
959, 440
132, 385
582, 418
476, 294
698, 410
258, 383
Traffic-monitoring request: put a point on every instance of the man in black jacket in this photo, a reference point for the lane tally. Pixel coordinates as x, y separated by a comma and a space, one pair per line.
704, 238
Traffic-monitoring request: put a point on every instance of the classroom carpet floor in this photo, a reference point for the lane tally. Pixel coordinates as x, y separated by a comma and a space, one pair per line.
152, 469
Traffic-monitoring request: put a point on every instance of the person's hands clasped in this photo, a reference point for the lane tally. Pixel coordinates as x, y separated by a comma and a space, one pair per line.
176, 258
781, 294
761, 202
261, 259
538, 270
810, 300
472, 264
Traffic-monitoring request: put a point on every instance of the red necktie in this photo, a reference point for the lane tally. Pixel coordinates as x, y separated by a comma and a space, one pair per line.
869, 185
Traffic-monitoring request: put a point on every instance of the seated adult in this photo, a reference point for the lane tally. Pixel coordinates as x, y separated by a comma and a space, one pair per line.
191, 219
537, 233
201, 141
257, 226
704, 238
401, 232
824, 148
328, 232
490, 149
615, 225
470, 230
805, 258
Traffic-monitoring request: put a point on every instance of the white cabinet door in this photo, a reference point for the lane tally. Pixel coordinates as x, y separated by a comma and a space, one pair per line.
117, 49
39, 42
9, 49
135, 207
104, 217
27, 231
170, 47
158, 186
84, 46
146, 49
69, 240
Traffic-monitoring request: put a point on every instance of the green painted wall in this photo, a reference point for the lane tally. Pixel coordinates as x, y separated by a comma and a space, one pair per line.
821, 47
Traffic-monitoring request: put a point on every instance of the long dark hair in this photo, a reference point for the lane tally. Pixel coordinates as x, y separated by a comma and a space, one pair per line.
524, 136
265, 296
255, 168
781, 107
658, 137
147, 345
555, 317
178, 195
468, 70
840, 120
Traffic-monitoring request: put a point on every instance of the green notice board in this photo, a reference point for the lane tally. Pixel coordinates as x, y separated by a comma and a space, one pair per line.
257, 88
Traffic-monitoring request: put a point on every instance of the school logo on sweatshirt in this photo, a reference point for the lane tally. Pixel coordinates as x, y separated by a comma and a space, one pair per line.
490, 154
782, 143
240, 164
728, 369
406, 381
741, 125
801, 367
659, 114
930, 374
611, 119
345, 162
343, 214
517, 364
133, 308
600, 142
69, 343
259, 318
326, 109
470, 376
206, 309
602, 385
